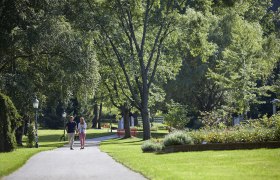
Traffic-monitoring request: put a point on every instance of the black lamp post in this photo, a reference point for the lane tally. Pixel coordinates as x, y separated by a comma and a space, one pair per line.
35, 106
64, 116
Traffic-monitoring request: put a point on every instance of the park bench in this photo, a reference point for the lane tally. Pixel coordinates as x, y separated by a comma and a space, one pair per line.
158, 119
106, 125
121, 132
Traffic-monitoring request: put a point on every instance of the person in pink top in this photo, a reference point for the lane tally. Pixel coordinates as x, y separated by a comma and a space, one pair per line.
82, 126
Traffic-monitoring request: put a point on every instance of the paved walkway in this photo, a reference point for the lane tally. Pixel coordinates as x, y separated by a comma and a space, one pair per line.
62, 163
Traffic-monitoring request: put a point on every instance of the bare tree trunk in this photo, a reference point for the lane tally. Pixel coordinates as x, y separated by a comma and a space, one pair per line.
100, 115
95, 112
125, 111
145, 117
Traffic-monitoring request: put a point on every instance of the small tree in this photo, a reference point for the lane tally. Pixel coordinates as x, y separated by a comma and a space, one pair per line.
177, 116
8, 124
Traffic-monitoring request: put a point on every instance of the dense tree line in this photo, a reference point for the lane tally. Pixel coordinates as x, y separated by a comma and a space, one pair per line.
214, 57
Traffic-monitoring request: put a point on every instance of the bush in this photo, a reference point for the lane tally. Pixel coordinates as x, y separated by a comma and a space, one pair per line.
177, 138
8, 124
215, 117
30, 136
151, 146
276, 119
198, 136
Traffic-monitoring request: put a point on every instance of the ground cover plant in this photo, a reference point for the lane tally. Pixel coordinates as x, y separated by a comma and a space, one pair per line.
48, 139
231, 164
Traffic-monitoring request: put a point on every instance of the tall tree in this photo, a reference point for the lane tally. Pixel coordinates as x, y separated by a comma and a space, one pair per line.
137, 33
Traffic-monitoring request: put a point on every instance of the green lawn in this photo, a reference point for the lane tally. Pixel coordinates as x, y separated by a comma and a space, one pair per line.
48, 139
235, 164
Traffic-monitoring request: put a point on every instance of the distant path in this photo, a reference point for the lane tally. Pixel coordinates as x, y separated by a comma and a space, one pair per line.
62, 163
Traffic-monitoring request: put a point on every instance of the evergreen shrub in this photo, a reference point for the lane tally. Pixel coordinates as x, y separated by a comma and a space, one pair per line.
8, 124
30, 136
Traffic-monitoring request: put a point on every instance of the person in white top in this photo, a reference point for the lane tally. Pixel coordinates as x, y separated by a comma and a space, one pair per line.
82, 126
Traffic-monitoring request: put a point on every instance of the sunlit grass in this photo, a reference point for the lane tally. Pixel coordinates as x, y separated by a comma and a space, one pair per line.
234, 164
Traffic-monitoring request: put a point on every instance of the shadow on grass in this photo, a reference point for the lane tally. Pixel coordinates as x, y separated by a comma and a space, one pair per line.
49, 138
96, 135
153, 134
117, 141
59, 144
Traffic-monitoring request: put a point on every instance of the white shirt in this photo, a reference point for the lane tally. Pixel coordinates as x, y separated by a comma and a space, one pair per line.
82, 128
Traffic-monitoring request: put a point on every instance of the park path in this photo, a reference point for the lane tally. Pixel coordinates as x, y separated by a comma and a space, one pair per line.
63, 163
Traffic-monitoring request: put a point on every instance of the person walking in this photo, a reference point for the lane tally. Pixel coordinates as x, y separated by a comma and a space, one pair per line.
71, 127
82, 131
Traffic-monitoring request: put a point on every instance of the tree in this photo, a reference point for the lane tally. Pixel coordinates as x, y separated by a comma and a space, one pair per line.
42, 54
243, 61
138, 33
206, 34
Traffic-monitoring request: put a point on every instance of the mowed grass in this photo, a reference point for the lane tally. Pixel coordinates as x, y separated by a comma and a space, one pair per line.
48, 140
235, 164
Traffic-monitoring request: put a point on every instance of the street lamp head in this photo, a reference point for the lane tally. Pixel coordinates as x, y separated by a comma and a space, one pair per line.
274, 101
64, 114
35, 103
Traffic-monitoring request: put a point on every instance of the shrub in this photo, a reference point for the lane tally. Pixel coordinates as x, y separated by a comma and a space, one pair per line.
276, 119
8, 124
215, 117
198, 136
177, 138
30, 136
151, 146
215, 137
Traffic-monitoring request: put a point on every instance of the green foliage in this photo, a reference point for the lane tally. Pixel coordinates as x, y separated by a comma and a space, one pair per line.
151, 145
260, 130
52, 122
276, 119
227, 55
215, 117
50, 58
8, 124
242, 61
177, 116
177, 138
30, 136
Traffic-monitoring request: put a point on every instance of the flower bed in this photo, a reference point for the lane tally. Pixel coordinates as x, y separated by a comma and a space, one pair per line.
221, 146
259, 133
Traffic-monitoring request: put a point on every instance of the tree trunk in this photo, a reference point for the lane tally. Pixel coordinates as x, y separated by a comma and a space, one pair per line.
125, 112
145, 116
95, 112
100, 115
19, 133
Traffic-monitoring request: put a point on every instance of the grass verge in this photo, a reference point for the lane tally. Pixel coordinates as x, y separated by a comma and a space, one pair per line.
232, 164
48, 140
